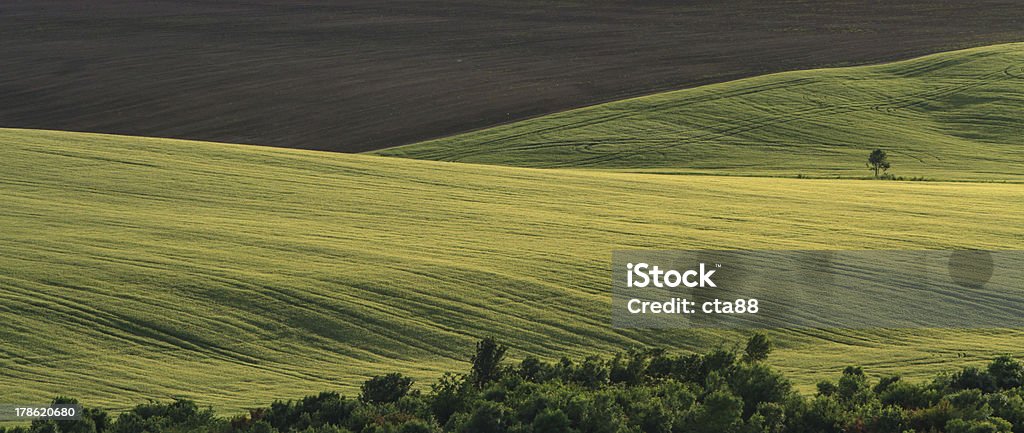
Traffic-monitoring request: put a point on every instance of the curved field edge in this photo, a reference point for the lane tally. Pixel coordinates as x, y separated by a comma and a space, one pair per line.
951, 116
135, 268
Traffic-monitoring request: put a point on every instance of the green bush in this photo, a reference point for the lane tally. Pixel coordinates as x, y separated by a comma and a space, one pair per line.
385, 389
638, 391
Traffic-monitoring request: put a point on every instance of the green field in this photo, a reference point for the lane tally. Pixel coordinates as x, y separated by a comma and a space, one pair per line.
137, 268
950, 116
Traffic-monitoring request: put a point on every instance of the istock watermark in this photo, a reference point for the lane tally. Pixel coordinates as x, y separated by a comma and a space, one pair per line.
817, 289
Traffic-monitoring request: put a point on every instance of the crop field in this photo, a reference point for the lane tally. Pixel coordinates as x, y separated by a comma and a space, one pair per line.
137, 268
949, 116
357, 75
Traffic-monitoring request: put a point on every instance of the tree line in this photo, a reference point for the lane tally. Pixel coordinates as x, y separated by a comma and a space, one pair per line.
641, 390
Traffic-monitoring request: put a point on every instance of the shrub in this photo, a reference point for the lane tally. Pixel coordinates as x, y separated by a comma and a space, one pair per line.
758, 348
385, 389
1006, 372
637, 391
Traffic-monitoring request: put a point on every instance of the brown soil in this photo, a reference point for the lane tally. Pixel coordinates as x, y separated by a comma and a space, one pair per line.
365, 74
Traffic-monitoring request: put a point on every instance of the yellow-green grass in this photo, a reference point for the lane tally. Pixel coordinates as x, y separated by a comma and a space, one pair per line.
950, 116
136, 268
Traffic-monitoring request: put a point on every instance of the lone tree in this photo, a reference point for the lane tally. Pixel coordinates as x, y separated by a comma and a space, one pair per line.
878, 160
487, 361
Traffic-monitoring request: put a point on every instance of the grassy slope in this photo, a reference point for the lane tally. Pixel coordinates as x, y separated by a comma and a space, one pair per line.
135, 268
956, 115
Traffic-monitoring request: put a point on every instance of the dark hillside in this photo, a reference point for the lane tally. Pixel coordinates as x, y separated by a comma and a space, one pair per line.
365, 74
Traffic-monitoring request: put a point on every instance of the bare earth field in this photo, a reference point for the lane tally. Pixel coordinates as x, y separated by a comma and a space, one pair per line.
365, 74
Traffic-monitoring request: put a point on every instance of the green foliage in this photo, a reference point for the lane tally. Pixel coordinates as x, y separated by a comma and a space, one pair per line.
994, 425
758, 384
974, 378
592, 373
577, 397
908, 395
532, 369
448, 396
326, 408
878, 160
487, 417
628, 367
720, 412
385, 389
178, 416
487, 361
769, 418
1006, 372
92, 420
853, 386
552, 421
758, 348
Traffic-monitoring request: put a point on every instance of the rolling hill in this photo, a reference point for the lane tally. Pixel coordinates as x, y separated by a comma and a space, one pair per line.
135, 268
950, 116
357, 75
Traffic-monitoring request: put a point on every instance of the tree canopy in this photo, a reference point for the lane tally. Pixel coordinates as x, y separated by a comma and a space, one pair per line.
640, 390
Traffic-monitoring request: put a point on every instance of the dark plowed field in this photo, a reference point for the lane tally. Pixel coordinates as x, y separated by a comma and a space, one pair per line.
365, 74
